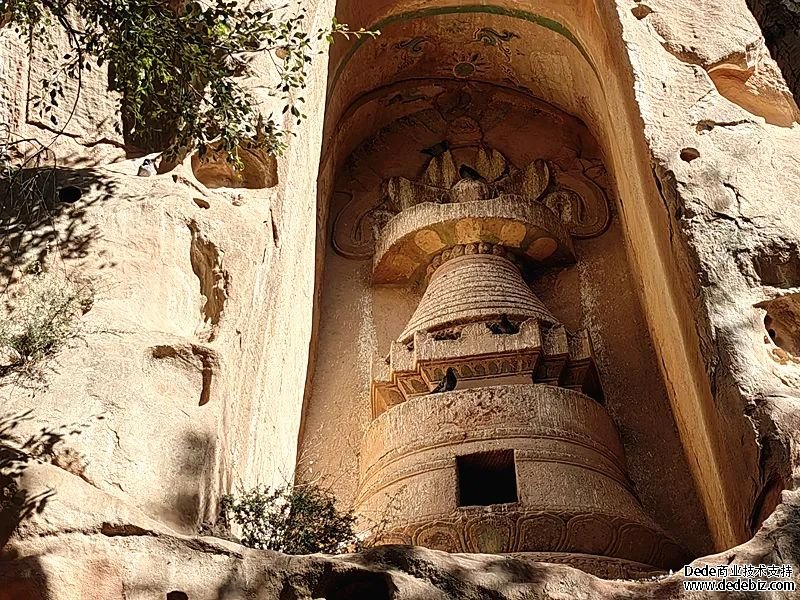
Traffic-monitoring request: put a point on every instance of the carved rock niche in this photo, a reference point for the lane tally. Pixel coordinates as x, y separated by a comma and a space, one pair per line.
214, 170
477, 231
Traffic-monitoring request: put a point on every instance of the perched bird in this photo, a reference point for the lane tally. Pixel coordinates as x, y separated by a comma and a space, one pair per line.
467, 172
147, 168
437, 149
471, 187
503, 326
448, 382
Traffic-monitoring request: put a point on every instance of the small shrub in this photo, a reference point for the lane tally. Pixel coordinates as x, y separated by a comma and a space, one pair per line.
294, 520
43, 314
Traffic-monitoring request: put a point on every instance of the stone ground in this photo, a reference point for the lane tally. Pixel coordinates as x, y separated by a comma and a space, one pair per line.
87, 545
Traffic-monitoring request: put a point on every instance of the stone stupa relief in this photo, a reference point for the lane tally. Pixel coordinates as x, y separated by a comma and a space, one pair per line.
457, 250
520, 456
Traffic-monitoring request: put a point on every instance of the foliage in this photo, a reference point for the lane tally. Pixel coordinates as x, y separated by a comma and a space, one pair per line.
295, 520
179, 65
44, 314
26, 183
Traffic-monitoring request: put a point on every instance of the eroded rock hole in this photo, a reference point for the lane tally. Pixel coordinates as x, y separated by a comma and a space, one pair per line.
175, 595
258, 170
194, 358
782, 326
640, 11
689, 154
206, 260
69, 194
755, 90
778, 266
356, 585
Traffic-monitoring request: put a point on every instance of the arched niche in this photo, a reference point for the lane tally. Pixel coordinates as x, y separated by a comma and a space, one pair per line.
358, 321
568, 56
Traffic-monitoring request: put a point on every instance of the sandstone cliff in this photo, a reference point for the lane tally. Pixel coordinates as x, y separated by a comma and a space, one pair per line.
199, 343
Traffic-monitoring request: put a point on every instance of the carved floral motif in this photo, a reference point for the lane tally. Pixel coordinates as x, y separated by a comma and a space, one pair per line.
620, 545
579, 203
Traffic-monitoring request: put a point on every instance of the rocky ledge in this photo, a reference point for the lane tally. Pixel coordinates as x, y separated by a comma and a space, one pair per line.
87, 544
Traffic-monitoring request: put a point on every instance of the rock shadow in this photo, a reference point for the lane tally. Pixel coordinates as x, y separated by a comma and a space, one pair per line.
22, 578
194, 477
45, 209
17, 452
778, 20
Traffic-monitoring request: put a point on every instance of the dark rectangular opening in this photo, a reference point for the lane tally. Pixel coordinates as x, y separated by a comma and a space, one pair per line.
486, 478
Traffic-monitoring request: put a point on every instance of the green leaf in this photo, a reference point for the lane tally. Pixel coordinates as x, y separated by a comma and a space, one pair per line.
175, 71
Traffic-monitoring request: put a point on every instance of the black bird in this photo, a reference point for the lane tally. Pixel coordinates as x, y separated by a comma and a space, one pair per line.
467, 172
503, 326
506, 326
448, 382
437, 149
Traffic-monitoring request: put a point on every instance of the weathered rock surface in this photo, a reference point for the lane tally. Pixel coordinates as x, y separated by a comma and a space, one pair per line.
195, 348
185, 282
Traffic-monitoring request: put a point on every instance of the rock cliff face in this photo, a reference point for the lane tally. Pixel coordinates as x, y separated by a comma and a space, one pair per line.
198, 350
196, 345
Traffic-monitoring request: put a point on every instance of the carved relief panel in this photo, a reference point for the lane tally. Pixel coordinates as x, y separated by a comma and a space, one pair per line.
454, 152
